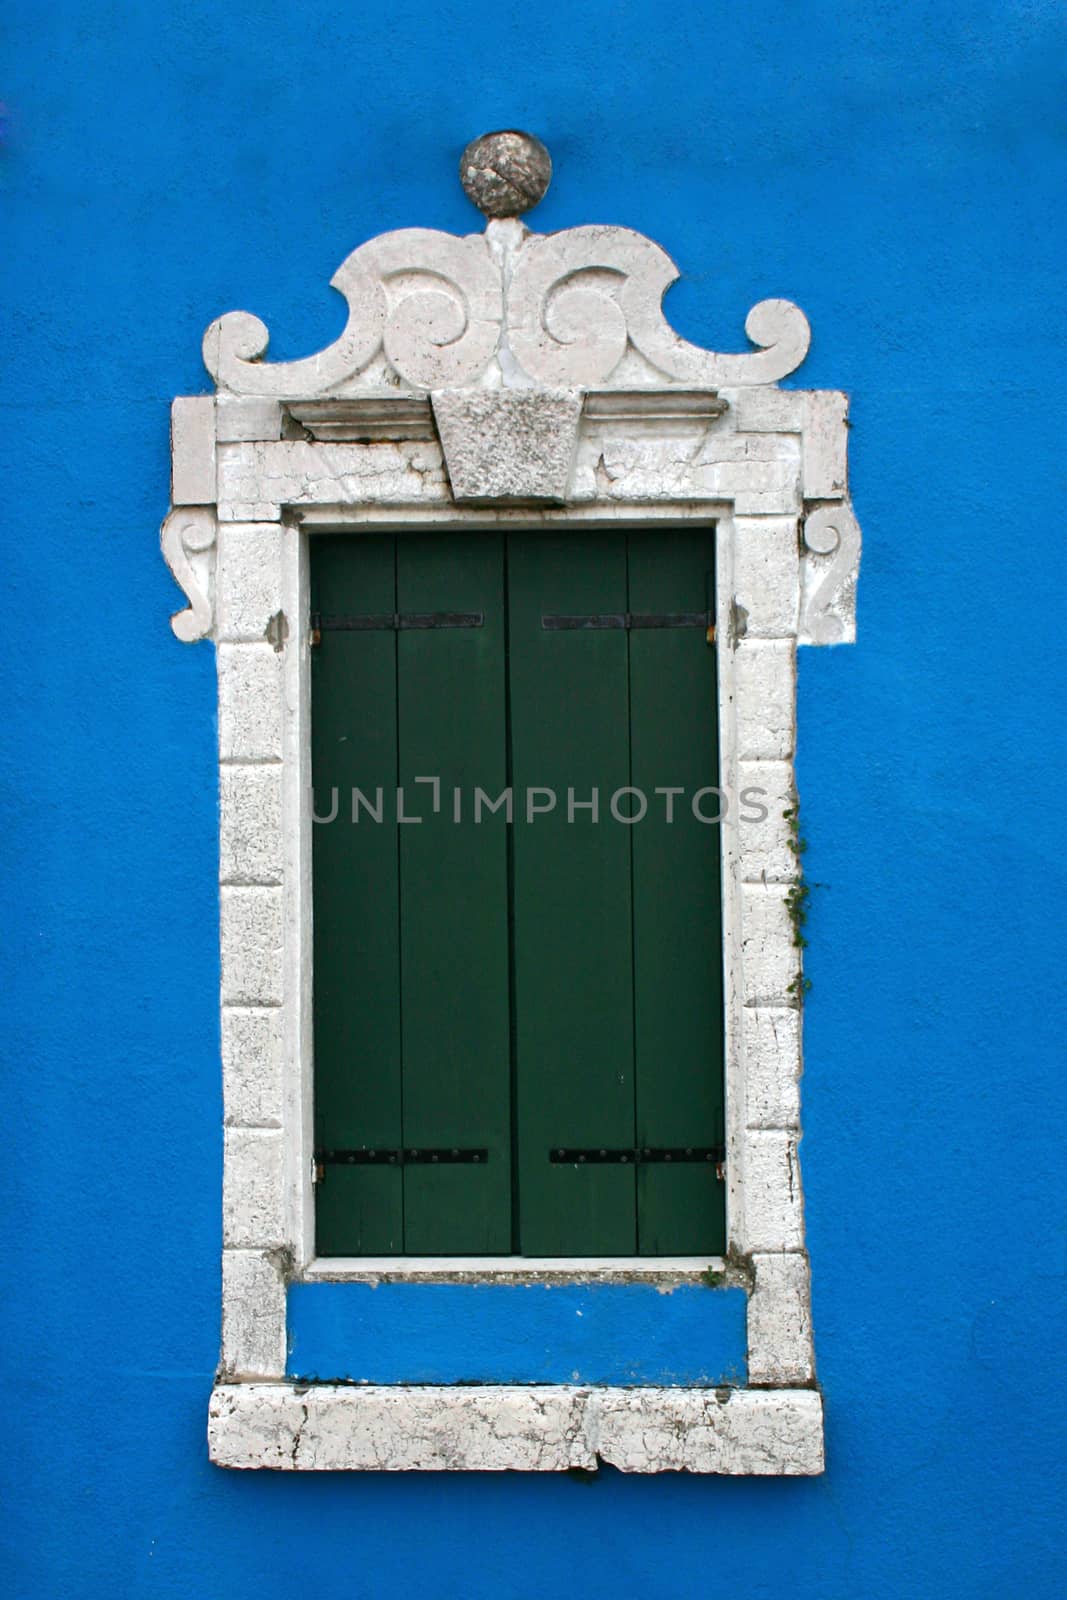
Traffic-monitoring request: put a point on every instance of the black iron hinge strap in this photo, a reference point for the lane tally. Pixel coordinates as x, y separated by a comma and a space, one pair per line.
629, 620
395, 621
409, 1156
639, 1156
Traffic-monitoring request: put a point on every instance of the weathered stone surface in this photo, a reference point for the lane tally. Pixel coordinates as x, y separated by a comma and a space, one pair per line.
767, 575
770, 959
779, 1321
770, 1038
248, 583
774, 1212
763, 408
253, 1189
763, 845
692, 1430
250, 705
250, 824
251, 939
687, 461
495, 1429
301, 472
816, 416
505, 173
576, 303
367, 417
253, 1316
577, 299
508, 445
252, 1066
765, 688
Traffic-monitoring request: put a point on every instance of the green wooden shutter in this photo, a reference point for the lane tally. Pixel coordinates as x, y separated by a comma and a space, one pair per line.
618, 988
678, 1017
572, 912
360, 1209
455, 1019
553, 986
411, 919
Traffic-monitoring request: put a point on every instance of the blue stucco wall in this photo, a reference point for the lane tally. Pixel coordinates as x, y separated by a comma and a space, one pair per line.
517, 1333
897, 170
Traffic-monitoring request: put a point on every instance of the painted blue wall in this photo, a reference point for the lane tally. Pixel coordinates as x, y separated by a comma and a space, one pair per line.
895, 168
517, 1333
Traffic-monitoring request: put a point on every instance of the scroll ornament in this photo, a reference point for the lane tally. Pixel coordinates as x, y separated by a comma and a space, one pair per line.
828, 575
437, 307
187, 539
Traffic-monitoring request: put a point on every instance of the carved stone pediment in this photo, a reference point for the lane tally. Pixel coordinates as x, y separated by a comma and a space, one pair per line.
514, 368
504, 309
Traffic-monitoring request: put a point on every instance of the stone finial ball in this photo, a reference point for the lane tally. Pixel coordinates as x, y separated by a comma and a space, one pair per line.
505, 173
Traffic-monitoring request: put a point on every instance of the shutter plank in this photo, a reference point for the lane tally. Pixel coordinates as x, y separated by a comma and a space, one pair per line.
454, 897
356, 938
572, 940
678, 1017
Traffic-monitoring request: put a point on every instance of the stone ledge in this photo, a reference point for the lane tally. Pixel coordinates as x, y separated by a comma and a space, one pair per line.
502, 1428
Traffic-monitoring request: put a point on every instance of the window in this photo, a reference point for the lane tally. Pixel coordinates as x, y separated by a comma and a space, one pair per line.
518, 1023
561, 453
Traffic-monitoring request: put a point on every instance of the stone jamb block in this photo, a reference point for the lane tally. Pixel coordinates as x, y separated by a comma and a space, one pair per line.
771, 1040
252, 946
250, 702
765, 679
767, 576
253, 1315
248, 580
253, 1197
780, 1347
251, 849
770, 956
764, 844
252, 1087
774, 1210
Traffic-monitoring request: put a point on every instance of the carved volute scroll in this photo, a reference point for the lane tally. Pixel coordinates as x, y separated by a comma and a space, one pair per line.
431, 300
578, 298
189, 533
828, 597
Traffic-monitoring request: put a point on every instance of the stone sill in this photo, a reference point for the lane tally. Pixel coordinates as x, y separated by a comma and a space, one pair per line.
509, 1428
665, 1271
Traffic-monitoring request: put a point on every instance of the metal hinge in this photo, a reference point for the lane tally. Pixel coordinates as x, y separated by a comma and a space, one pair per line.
392, 622
712, 1154
415, 1156
629, 620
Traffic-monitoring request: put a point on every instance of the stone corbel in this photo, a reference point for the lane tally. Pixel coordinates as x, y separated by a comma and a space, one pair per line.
187, 539
829, 569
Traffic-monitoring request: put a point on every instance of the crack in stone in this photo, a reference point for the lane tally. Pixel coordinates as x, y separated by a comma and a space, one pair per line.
298, 1433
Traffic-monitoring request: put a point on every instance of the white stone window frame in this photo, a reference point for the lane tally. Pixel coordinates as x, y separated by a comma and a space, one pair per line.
505, 379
